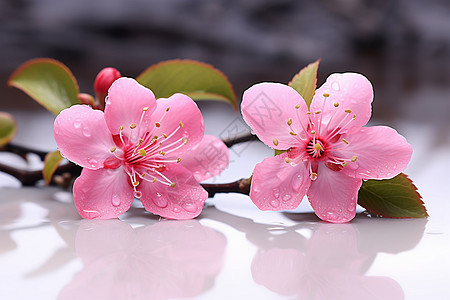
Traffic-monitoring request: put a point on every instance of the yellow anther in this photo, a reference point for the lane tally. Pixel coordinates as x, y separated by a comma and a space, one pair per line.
313, 132
292, 133
173, 184
121, 128
136, 183
145, 108
143, 174
297, 106
157, 124
275, 142
289, 122
354, 158
142, 152
167, 109
140, 141
154, 180
317, 147
162, 153
132, 126
181, 124
336, 104
308, 112
317, 112
326, 95
165, 135
155, 137
286, 159
345, 164
185, 140
349, 111
345, 141
178, 159
354, 117
113, 148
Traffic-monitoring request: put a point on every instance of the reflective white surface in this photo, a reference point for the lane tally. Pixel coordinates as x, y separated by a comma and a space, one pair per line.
232, 251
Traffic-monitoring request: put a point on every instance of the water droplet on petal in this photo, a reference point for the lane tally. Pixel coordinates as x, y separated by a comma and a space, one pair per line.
86, 132
115, 201
189, 206
286, 197
296, 182
138, 194
77, 124
276, 193
335, 86
313, 176
160, 201
176, 209
275, 203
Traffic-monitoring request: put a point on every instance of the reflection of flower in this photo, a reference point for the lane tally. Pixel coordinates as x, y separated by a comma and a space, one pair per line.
138, 147
166, 260
328, 150
331, 267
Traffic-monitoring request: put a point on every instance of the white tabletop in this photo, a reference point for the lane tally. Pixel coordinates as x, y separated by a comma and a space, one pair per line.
232, 250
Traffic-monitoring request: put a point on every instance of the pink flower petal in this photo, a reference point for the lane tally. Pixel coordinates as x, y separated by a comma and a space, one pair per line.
267, 107
184, 201
103, 193
83, 137
183, 116
381, 153
277, 185
125, 106
333, 195
207, 159
353, 92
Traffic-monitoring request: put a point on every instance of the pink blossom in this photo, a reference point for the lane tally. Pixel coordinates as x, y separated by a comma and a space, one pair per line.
138, 148
328, 154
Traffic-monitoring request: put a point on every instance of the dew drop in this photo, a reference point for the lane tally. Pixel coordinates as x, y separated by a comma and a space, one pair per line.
276, 193
275, 203
138, 194
189, 206
176, 209
286, 197
335, 86
313, 176
160, 201
77, 124
115, 200
86, 132
296, 182
93, 162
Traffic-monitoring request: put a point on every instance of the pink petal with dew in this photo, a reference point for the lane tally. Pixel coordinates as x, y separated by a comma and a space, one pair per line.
353, 93
129, 103
277, 185
267, 108
83, 137
333, 195
381, 153
179, 114
184, 201
206, 159
102, 194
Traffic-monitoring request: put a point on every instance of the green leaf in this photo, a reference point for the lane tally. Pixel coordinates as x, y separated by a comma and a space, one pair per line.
393, 198
305, 81
47, 81
8, 128
51, 163
198, 80
278, 152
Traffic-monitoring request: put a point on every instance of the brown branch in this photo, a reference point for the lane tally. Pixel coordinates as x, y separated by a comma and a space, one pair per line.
240, 139
23, 151
241, 186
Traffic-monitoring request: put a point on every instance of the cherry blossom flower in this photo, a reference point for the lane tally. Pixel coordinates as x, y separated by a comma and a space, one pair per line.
328, 152
138, 148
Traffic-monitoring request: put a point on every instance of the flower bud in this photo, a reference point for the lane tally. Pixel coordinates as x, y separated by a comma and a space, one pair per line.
102, 83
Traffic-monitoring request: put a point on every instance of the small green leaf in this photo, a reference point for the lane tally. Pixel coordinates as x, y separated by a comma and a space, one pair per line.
47, 81
198, 80
393, 198
305, 81
8, 128
51, 163
278, 152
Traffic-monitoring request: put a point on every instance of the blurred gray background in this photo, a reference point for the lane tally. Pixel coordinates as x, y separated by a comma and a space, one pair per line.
402, 46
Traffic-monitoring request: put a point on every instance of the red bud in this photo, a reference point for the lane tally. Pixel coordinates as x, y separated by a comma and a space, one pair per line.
102, 83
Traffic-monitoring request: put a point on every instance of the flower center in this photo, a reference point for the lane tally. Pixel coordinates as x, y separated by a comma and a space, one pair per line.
315, 148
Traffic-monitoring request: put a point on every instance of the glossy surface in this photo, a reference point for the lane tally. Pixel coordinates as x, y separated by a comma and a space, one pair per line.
232, 251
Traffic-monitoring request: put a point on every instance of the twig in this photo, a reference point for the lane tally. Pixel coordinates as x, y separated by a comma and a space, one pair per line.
240, 139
